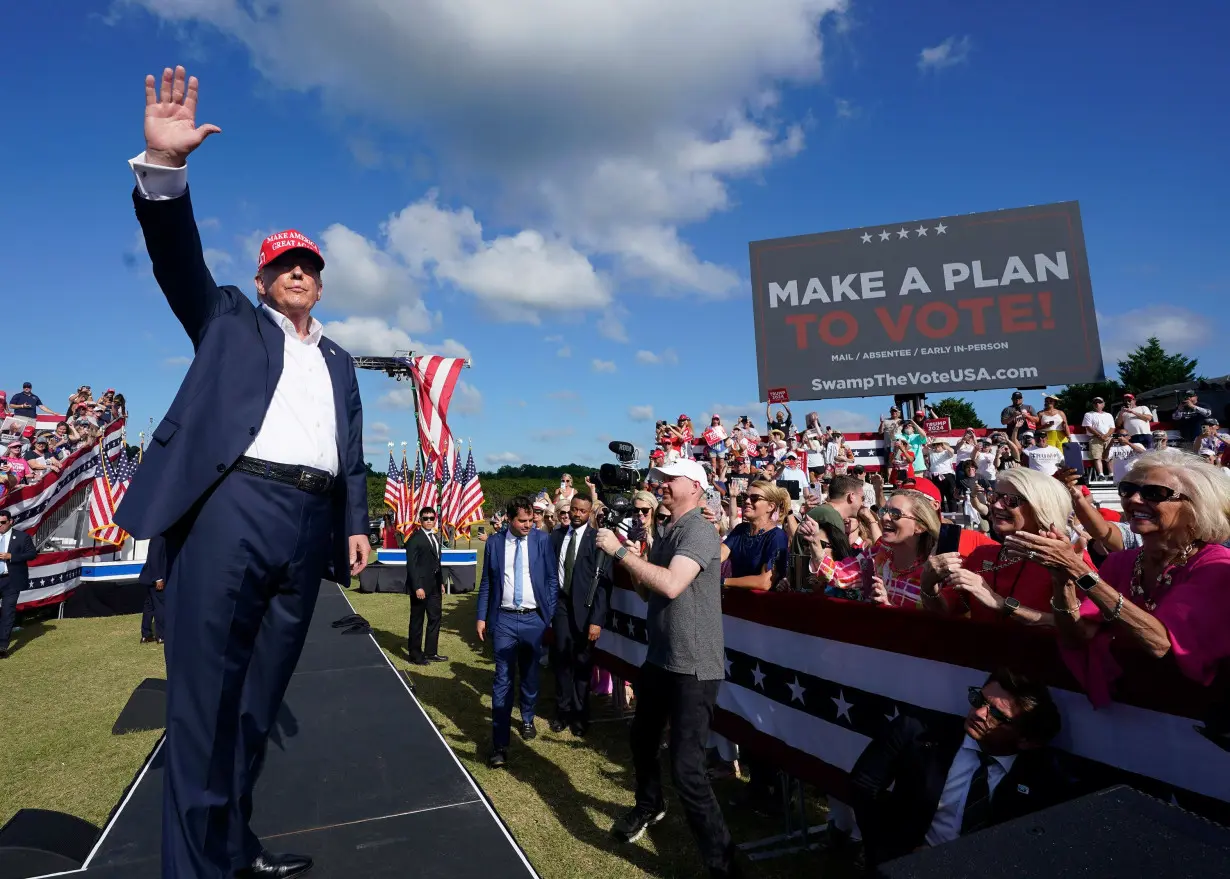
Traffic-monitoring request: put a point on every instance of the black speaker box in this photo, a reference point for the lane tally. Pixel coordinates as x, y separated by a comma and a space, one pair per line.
146, 708
1117, 832
37, 841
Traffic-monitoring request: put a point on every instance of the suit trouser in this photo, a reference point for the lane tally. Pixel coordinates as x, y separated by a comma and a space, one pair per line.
572, 657
687, 703
431, 608
244, 571
8, 610
517, 641
152, 613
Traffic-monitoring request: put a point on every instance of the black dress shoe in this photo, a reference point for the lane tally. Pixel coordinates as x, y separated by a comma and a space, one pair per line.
4, 654
578, 729
147, 640
436, 657
422, 660
558, 725
276, 866
498, 758
528, 731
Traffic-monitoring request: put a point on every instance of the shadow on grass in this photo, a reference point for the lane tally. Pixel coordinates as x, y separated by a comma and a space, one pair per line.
28, 632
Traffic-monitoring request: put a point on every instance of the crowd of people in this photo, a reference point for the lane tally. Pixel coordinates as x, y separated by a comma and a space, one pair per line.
30, 454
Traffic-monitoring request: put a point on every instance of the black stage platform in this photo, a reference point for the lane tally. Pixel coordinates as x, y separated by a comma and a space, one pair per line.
356, 776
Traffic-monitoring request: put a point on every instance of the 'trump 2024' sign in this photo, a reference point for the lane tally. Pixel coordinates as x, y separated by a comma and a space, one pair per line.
991, 300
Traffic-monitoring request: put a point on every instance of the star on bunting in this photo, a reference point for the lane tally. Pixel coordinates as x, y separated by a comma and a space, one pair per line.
866, 237
884, 236
843, 707
903, 233
921, 231
941, 229
796, 690
759, 676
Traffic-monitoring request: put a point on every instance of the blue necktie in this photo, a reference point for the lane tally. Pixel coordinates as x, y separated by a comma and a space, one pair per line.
518, 579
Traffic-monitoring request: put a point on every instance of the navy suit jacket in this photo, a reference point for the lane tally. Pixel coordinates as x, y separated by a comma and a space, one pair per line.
21, 548
155, 567
587, 558
223, 399
543, 576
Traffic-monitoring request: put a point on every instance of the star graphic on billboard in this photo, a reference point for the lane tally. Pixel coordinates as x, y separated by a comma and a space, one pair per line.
903, 233
921, 231
884, 236
941, 229
866, 237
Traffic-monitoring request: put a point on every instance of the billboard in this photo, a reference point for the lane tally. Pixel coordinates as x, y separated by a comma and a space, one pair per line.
993, 300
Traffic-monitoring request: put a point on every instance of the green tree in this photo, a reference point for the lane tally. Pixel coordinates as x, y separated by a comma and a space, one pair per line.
960, 410
1149, 366
375, 494
1076, 400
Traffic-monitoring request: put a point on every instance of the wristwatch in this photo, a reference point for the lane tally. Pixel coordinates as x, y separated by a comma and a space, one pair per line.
1011, 606
1087, 581
620, 553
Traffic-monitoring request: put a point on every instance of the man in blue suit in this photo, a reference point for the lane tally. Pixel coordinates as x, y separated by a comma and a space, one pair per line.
256, 479
516, 601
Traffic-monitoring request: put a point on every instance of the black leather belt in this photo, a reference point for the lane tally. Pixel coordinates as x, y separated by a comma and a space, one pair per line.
302, 478
519, 610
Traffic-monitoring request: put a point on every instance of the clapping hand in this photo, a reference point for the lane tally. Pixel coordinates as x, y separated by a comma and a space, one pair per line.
171, 132
1049, 549
879, 595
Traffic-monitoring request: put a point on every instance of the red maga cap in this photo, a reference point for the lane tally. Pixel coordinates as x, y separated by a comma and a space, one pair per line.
280, 242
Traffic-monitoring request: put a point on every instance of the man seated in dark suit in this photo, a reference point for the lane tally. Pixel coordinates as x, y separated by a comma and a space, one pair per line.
950, 782
153, 577
580, 611
516, 601
425, 583
16, 553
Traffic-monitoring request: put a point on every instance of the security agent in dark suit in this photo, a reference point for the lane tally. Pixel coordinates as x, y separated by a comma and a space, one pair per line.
16, 553
951, 782
425, 583
256, 478
580, 611
516, 601
153, 577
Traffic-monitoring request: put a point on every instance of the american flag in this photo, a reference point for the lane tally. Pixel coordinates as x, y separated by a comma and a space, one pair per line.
110, 484
394, 488
469, 507
405, 511
428, 495
444, 515
434, 381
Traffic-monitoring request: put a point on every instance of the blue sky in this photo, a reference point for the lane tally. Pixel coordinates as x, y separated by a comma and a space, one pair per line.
565, 191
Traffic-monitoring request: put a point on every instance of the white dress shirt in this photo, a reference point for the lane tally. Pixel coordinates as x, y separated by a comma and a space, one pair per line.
300, 426
527, 588
563, 549
5, 538
946, 826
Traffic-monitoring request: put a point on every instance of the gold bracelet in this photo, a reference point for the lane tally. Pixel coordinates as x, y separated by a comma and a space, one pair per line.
1074, 612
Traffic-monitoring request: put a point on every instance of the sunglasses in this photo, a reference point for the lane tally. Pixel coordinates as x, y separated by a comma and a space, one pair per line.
1153, 494
895, 514
643, 511
752, 499
1011, 501
977, 700
663, 518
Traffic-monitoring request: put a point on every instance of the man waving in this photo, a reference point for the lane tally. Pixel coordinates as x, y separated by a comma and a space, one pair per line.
256, 478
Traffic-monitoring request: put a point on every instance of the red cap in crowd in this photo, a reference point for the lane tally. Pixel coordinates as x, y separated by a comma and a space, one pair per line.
683, 418
281, 242
1110, 515
28, 431
657, 453
924, 485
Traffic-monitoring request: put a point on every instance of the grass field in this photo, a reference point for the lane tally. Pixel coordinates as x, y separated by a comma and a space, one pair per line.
64, 686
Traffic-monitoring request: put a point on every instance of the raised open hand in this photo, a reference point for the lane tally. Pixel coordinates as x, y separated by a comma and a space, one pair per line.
171, 132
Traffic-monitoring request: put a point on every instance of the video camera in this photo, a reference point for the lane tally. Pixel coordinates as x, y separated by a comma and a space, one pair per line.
616, 484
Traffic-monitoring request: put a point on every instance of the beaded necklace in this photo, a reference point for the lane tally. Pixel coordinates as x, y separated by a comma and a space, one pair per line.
1162, 584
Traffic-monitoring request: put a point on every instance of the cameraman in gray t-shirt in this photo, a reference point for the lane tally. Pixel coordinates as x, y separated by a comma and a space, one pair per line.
682, 581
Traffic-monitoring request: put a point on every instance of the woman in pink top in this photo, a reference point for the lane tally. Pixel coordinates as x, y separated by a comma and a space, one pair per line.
1169, 598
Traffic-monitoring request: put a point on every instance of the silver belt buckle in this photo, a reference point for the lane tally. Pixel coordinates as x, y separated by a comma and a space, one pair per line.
307, 481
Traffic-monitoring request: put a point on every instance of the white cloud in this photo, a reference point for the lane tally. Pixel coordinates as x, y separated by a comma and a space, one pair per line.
376, 431
503, 458
372, 336
467, 400
1177, 328
640, 413
217, 260
361, 278
401, 397
177, 361
564, 352
649, 358
846, 421
954, 50
603, 365
626, 118
845, 109
555, 340
611, 324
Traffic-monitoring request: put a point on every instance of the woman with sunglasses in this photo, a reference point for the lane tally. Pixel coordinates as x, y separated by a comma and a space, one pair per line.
1168, 598
754, 544
890, 570
995, 582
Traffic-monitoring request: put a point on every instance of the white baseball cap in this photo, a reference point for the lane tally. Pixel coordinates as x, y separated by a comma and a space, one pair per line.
686, 468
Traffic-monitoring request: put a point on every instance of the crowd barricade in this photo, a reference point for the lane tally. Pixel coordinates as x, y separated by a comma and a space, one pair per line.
54, 575
810, 680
